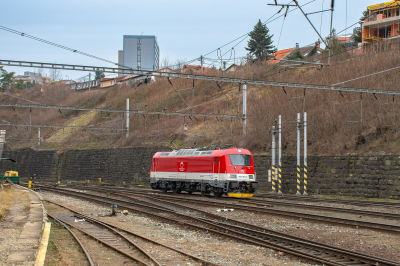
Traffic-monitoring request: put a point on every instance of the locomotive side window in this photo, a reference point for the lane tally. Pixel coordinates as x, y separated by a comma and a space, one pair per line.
240, 159
216, 160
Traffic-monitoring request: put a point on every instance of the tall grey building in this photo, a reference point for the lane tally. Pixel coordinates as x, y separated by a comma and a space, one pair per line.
141, 52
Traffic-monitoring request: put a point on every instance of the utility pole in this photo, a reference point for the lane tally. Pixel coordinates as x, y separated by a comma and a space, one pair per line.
244, 109
127, 118
201, 62
39, 136
330, 38
273, 153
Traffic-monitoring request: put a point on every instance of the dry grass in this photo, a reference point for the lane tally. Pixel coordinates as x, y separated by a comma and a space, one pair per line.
334, 126
6, 198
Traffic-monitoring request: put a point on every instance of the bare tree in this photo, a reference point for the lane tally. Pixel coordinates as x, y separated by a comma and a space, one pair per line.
55, 75
166, 61
179, 63
83, 79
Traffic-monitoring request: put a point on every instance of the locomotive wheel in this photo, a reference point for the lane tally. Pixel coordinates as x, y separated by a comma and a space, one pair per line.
164, 190
190, 192
177, 190
218, 194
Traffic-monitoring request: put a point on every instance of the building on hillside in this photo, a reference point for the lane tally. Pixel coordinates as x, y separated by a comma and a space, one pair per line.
87, 85
232, 68
109, 82
131, 80
197, 69
137, 80
120, 61
383, 22
283, 55
140, 52
32, 78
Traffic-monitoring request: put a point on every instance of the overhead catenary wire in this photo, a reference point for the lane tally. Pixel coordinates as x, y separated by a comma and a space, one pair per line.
266, 22
59, 46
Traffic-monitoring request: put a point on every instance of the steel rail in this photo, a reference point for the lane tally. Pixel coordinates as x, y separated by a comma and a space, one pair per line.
292, 214
386, 215
76, 238
137, 112
246, 234
223, 231
194, 77
88, 218
303, 215
109, 245
241, 225
205, 262
339, 201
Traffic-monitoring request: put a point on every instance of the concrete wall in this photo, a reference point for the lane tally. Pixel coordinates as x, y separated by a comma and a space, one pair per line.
364, 176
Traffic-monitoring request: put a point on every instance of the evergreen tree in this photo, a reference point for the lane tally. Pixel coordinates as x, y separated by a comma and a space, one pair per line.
358, 34
337, 46
314, 50
20, 85
6, 79
260, 43
99, 74
296, 55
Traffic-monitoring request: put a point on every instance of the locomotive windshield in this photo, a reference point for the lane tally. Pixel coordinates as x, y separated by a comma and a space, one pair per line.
240, 159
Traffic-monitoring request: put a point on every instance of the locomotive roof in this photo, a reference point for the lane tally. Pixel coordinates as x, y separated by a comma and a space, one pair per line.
189, 152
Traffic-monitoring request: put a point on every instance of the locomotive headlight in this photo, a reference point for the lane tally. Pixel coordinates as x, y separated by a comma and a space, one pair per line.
233, 176
251, 177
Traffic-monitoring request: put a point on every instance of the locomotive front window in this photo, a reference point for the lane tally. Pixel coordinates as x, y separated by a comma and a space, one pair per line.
240, 159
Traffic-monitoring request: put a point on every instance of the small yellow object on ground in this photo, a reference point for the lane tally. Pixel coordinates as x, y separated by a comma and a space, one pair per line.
240, 195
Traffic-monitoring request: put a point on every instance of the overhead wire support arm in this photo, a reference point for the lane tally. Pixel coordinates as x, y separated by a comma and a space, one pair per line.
341, 94
322, 39
391, 119
318, 12
137, 112
180, 95
234, 108
205, 78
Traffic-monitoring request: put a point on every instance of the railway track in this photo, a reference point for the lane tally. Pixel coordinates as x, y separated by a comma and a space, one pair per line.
89, 258
303, 248
112, 242
364, 203
267, 210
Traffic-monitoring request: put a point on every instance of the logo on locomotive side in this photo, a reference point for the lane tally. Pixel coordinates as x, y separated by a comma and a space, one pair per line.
182, 166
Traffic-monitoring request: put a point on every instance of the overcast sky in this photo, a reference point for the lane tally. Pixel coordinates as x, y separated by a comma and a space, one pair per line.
185, 29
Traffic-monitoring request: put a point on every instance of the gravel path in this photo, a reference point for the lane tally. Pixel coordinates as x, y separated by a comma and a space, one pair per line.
12, 225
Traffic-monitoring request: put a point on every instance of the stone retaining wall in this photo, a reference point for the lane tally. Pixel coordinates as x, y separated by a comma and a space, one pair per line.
365, 176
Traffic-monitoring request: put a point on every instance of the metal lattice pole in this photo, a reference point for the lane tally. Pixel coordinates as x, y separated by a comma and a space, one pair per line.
273, 160
305, 153
298, 155
244, 109
279, 155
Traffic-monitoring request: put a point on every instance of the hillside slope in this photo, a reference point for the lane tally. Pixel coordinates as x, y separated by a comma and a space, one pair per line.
335, 125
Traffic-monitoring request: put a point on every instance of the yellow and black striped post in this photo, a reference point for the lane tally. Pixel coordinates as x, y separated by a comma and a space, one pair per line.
305, 180
280, 179
273, 179
298, 180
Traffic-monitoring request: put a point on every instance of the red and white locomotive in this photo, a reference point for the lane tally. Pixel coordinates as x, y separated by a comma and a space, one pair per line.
220, 172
